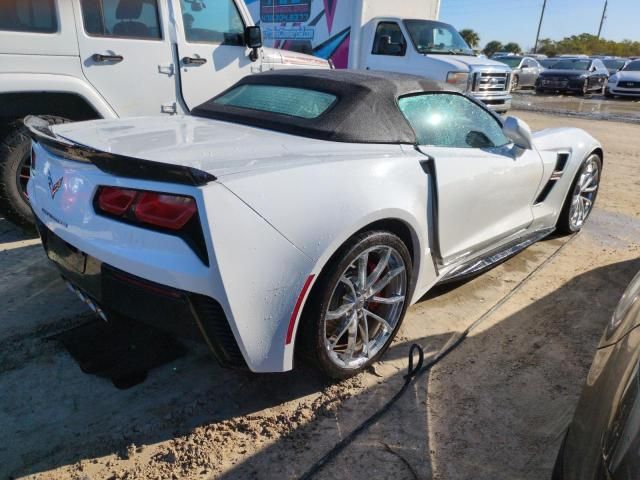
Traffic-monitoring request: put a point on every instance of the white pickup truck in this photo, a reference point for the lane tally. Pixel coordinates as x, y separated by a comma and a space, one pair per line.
86, 59
401, 36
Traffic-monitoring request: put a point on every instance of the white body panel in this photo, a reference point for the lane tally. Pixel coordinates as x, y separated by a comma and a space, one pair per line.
496, 193
133, 86
283, 205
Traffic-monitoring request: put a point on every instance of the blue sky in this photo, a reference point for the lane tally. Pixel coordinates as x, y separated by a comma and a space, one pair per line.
517, 20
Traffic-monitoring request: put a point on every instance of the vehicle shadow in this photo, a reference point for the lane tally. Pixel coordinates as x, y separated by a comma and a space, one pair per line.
507, 392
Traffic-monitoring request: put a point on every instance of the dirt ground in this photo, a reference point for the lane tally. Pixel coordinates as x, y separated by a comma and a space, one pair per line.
496, 407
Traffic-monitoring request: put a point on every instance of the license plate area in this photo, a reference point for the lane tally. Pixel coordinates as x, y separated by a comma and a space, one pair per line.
66, 255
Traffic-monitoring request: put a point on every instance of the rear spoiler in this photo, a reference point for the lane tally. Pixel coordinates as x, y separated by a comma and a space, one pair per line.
114, 164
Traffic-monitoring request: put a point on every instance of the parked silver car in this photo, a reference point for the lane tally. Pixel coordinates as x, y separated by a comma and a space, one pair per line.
525, 70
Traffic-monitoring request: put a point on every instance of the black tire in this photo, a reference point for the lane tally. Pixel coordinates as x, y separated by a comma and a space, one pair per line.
15, 158
563, 226
608, 94
540, 90
311, 341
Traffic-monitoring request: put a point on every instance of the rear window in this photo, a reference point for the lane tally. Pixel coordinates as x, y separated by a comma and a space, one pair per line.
38, 16
297, 102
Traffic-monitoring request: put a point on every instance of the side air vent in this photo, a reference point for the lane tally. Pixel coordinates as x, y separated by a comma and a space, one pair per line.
561, 163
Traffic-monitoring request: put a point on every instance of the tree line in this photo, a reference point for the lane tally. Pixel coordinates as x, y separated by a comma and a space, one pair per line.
584, 43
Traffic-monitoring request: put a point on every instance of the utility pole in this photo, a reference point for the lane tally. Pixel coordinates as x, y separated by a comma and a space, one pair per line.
535, 46
604, 15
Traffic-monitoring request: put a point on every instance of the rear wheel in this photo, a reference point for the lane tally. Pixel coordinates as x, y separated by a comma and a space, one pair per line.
358, 304
579, 203
15, 171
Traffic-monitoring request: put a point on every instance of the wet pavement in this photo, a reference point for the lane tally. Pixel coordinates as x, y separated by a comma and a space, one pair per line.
593, 106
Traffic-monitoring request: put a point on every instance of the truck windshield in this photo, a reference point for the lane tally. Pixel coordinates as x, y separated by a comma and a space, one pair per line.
436, 37
297, 102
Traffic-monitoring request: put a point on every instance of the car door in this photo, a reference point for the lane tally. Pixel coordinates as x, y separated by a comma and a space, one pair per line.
211, 48
389, 49
485, 185
126, 54
530, 72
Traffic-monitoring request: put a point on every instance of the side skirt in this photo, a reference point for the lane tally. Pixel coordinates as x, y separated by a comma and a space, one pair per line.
494, 257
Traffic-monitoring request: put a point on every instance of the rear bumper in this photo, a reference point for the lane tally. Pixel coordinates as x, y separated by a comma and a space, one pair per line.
185, 314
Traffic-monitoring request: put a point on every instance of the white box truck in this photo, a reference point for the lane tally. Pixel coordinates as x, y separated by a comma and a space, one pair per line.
402, 36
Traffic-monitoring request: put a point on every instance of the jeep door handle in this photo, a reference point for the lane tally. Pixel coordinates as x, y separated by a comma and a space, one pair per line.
194, 61
98, 57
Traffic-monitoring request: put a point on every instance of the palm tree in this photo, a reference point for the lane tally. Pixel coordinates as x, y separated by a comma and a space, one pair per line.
492, 47
471, 37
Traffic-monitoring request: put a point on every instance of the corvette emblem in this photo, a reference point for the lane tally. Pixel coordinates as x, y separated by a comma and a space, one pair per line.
54, 187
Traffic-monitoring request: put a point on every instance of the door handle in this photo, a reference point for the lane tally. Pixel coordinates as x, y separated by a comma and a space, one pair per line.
98, 57
194, 61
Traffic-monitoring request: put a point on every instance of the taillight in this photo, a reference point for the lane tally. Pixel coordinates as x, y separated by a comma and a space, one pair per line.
115, 200
167, 211
162, 210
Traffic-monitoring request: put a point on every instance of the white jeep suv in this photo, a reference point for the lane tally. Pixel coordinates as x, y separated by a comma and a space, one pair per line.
83, 59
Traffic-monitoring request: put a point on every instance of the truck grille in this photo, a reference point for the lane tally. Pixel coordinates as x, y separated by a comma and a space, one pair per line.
484, 82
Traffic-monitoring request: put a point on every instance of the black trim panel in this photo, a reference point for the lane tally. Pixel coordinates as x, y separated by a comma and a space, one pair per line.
116, 292
120, 165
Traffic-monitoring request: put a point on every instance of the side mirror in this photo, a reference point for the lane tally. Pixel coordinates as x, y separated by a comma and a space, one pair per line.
524, 66
253, 40
518, 132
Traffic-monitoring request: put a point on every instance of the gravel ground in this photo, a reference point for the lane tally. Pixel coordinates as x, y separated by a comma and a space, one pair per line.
496, 407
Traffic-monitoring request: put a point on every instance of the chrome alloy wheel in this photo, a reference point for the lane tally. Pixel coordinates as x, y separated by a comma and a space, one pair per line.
365, 307
584, 193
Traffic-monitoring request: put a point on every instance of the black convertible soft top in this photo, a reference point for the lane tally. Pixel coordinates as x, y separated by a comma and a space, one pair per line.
366, 110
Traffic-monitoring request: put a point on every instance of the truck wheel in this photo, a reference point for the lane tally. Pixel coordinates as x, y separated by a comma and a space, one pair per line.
357, 305
15, 170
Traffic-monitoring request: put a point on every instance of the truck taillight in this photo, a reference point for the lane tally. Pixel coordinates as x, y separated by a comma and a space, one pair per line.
163, 210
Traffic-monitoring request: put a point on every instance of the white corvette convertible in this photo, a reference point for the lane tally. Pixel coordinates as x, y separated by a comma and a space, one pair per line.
300, 210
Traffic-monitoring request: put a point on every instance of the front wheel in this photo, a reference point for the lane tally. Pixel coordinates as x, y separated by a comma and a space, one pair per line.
582, 196
357, 305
